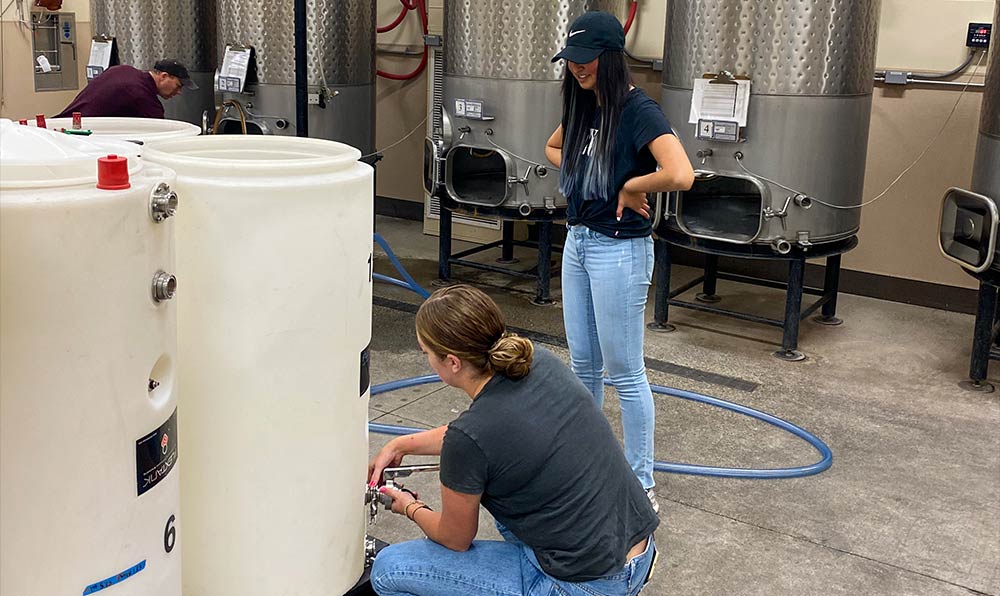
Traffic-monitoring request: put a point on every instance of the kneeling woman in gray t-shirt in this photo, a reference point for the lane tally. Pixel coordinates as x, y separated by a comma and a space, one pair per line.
535, 451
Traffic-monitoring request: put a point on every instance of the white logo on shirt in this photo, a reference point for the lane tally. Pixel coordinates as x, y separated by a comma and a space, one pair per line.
588, 150
575, 32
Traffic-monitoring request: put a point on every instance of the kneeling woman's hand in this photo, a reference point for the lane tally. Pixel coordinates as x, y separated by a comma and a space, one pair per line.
388, 457
402, 500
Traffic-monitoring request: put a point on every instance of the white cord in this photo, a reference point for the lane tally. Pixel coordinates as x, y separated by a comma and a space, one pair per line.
408, 135
739, 162
524, 159
20, 9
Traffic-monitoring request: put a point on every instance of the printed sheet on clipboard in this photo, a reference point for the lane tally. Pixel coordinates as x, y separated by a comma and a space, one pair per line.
719, 97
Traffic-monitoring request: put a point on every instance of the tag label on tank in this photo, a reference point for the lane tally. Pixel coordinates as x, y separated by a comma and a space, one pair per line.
114, 579
719, 130
156, 454
469, 108
366, 380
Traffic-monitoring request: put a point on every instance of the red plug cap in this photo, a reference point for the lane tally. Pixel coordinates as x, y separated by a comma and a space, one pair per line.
40, 120
112, 173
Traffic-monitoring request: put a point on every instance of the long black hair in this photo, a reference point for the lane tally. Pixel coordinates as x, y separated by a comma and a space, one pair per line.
594, 178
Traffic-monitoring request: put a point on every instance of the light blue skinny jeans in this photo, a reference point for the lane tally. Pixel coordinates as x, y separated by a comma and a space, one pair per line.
491, 568
605, 281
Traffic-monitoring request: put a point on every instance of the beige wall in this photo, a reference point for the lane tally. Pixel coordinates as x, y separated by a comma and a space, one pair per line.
19, 99
899, 233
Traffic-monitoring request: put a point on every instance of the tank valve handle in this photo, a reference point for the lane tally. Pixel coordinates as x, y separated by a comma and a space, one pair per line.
704, 154
523, 180
464, 130
389, 479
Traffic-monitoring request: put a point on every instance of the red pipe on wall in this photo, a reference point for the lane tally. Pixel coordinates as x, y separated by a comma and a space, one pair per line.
399, 19
421, 7
631, 15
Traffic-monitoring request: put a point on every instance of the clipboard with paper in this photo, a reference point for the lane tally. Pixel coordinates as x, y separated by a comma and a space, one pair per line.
103, 55
238, 69
719, 106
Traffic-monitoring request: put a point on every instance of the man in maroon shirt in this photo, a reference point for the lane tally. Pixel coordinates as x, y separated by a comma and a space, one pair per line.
130, 92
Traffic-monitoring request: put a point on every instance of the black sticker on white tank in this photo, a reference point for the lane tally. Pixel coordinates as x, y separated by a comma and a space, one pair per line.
365, 370
156, 454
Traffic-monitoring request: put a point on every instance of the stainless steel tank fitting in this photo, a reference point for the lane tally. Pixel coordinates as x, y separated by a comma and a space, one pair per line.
164, 286
162, 203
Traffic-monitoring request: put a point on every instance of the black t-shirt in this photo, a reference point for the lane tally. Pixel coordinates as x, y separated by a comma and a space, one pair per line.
641, 121
121, 91
550, 469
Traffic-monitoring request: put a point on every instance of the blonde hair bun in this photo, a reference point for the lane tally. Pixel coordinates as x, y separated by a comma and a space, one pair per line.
511, 355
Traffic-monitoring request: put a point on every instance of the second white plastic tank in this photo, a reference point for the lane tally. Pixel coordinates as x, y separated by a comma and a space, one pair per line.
275, 248
88, 431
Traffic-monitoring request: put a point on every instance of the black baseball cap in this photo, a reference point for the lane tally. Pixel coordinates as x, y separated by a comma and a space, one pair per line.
590, 36
173, 67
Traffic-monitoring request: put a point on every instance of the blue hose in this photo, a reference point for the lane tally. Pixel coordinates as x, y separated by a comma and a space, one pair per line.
662, 466
410, 283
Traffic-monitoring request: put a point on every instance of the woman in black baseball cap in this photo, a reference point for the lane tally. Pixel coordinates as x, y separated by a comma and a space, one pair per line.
613, 146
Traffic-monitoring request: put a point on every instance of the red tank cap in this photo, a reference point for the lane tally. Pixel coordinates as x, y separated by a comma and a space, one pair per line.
23, 121
40, 120
112, 173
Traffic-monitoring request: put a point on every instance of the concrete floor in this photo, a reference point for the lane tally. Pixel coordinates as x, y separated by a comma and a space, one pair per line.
911, 505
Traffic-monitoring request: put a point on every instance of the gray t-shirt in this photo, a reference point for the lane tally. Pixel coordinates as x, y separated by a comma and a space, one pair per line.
550, 469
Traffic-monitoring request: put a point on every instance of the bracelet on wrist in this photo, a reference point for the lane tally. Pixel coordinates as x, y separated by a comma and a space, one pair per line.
406, 510
416, 509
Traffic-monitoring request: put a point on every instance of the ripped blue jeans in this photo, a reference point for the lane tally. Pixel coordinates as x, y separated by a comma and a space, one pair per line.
605, 281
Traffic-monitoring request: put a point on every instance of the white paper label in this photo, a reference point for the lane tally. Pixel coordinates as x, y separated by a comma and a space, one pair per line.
44, 63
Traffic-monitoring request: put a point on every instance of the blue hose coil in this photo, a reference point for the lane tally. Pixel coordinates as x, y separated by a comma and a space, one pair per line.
662, 466
409, 283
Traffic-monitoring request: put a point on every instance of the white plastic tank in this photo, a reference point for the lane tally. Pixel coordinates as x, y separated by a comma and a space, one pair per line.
88, 442
145, 130
274, 248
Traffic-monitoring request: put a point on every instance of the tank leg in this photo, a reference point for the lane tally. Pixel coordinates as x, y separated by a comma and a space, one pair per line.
708, 286
444, 247
544, 262
793, 312
661, 285
981, 340
831, 287
507, 244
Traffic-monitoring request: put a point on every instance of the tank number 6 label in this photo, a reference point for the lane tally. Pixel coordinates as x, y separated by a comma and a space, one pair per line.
169, 535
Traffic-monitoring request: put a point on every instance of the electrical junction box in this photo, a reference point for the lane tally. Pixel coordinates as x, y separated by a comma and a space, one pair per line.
979, 35
896, 77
